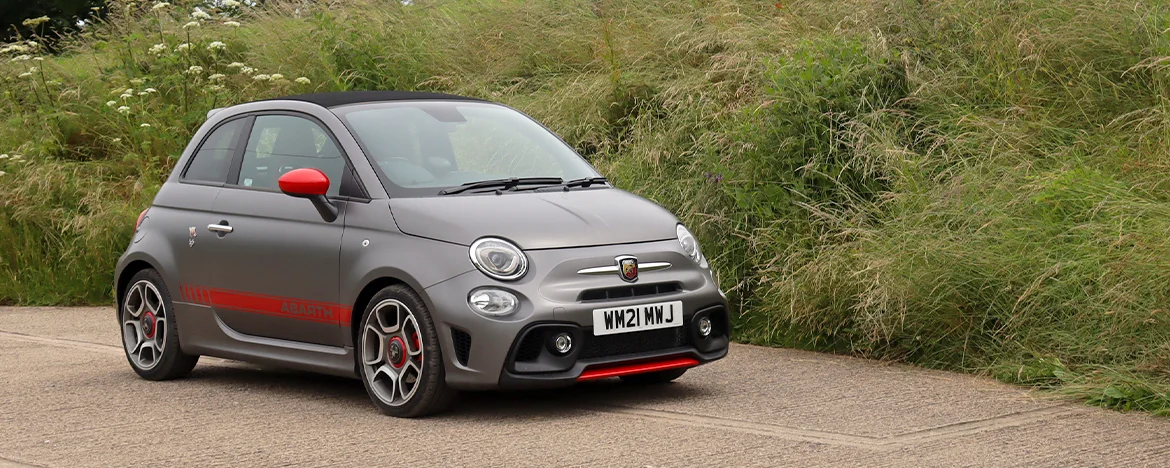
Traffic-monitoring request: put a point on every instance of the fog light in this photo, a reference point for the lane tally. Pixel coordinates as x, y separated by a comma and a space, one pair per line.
704, 327
563, 343
492, 302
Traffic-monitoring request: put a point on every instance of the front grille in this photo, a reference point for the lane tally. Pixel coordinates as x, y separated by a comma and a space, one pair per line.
631, 343
462, 341
633, 290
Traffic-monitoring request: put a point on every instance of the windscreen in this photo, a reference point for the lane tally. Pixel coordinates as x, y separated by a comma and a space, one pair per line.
425, 146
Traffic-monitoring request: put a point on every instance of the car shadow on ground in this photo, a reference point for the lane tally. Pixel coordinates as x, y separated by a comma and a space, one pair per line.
521, 404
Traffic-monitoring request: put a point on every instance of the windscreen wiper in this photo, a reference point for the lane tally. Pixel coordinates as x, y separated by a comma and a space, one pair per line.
503, 184
586, 182
582, 182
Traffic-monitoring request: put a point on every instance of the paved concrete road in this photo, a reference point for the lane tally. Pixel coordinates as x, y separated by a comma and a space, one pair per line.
68, 398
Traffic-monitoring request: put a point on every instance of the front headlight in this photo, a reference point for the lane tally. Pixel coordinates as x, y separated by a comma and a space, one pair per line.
499, 259
690, 245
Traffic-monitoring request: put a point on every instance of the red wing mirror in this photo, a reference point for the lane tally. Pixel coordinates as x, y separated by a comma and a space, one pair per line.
312, 184
305, 182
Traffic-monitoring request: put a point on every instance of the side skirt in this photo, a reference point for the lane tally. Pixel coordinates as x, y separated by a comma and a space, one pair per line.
202, 332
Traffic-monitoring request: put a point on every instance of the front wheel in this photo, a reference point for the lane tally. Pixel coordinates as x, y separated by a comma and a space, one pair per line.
150, 335
400, 360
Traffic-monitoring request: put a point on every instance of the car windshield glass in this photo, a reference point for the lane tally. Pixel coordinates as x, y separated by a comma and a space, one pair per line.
422, 147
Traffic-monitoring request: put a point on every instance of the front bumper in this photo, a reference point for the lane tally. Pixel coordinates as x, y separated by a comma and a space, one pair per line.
512, 352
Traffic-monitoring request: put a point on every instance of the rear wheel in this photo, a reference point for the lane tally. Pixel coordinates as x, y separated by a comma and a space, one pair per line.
150, 335
400, 360
651, 378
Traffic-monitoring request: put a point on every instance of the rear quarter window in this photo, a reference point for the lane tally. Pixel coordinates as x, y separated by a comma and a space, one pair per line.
213, 160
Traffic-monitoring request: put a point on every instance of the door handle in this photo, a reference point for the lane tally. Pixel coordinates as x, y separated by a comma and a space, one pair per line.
220, 228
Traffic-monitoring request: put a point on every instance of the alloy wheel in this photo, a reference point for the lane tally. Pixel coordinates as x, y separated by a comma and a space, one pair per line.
144, 318
392, 355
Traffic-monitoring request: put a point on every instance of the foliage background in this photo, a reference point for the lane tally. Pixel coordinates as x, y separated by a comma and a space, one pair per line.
973, 185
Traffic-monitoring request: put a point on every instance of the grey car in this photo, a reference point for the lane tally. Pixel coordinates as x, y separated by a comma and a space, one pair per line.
423, 243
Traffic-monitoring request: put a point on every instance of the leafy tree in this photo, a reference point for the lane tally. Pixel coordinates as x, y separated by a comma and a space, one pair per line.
63, 16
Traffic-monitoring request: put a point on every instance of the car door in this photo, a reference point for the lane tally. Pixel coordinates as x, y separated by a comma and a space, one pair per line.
277, 259
183, 209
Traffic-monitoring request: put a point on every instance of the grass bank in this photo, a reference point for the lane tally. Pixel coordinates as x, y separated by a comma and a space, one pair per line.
979, 186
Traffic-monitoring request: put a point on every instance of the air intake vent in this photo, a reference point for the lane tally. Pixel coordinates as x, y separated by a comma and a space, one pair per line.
462, 342
634, 290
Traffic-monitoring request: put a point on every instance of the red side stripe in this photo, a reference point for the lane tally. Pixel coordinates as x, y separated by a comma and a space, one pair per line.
276, 306
639, 368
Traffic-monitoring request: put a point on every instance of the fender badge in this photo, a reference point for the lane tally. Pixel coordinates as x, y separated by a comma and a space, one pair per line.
191, 240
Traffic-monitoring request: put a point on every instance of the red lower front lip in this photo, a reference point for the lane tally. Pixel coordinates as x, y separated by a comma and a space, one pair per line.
639, 368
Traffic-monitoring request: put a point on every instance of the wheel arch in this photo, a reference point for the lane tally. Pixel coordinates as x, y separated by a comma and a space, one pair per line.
132, 268
363, 299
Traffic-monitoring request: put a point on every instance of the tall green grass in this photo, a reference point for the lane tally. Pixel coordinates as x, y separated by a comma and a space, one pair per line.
979, 185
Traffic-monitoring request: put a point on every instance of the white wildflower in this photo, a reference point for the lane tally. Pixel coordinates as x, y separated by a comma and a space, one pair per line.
24, 75
128, 91
33, 44
235, 65
200, 14
4, 156
215, 88
21, 58
234, 24
39, 59
137, 81
194, 70
160, 5
216, 77
151, 90
143, 93
34, 22
2, 173
277, 76
158, 49
14, 48
231, 3
111, 103
145, 125
183, 46
33, 69
123, 110
302, 80
247, 70
261, 77
191, 25
126, 96
116, 140
217, 45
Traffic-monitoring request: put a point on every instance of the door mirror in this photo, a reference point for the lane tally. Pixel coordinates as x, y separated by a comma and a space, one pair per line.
304, 183
312, 184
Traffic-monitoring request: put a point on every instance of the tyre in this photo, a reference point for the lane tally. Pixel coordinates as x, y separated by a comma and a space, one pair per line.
651, 378
150, 333
399, 357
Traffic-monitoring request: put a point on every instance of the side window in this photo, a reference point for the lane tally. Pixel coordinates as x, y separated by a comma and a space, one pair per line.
281, 143
213, 160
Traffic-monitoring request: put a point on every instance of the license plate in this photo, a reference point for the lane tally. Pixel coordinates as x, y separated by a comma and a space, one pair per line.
637, 318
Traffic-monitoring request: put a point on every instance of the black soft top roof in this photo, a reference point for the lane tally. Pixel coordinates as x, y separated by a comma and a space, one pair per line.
341, 98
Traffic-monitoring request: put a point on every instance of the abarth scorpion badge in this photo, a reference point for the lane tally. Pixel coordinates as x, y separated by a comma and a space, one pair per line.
628, 268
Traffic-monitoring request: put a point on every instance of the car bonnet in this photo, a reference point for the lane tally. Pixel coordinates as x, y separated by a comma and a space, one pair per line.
545, 220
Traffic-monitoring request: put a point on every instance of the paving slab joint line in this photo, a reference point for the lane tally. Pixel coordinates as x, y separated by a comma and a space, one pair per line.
848, 440
106, 348
6, 462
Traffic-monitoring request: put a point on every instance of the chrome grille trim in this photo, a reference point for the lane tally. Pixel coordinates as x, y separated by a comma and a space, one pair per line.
613, 269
